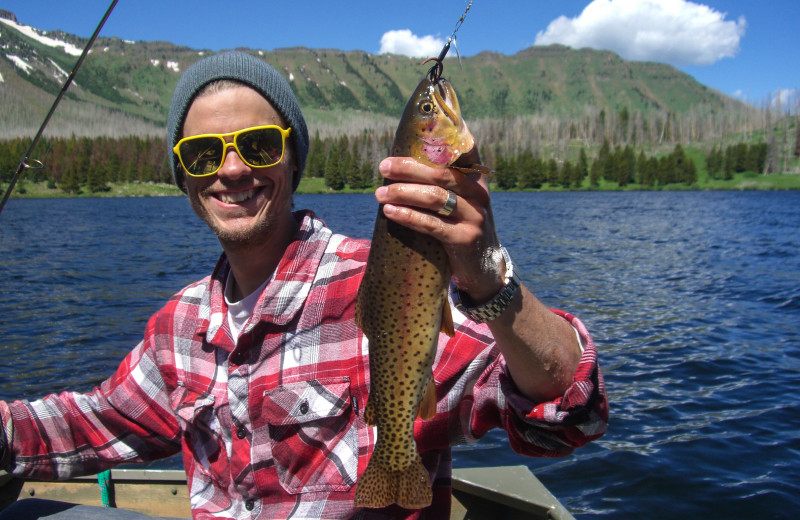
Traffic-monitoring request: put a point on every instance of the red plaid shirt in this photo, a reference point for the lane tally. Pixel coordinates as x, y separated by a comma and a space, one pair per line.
271, 425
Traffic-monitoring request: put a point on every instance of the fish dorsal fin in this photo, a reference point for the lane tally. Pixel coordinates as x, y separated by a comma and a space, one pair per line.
447, 319
427, 405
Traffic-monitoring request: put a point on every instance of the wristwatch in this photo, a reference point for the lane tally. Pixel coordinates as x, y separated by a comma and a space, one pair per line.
494, 307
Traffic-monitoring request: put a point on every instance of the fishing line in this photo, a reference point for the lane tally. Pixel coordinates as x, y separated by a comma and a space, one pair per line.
436, 72
26, 162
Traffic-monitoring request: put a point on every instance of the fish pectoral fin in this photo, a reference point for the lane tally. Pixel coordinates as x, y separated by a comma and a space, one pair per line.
427, 405
447, 319
474, 168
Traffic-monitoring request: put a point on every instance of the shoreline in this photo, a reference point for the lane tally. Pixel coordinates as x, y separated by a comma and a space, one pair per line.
747, 181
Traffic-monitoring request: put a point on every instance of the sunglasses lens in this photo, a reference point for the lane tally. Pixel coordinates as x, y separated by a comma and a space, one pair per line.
260, 147
201, 156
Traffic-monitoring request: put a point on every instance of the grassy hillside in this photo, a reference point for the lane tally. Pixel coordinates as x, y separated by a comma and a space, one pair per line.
124, 82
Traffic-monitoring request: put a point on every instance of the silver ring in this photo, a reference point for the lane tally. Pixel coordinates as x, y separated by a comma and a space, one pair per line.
450, 204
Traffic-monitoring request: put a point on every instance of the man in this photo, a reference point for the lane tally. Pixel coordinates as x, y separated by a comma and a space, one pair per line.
258, 374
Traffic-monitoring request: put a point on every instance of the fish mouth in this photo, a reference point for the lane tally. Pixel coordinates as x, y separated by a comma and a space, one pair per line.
446, 99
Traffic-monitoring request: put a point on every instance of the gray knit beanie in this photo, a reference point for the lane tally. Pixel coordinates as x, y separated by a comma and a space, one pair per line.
251, 71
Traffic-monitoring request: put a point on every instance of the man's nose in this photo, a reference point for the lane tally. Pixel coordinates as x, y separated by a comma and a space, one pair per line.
233, 166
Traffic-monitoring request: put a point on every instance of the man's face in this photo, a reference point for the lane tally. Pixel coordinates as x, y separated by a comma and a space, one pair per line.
240, 204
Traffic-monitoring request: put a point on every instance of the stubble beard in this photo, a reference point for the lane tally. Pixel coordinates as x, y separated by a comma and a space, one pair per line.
236, 239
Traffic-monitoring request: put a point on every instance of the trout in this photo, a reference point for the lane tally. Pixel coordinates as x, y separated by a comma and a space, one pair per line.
402, 306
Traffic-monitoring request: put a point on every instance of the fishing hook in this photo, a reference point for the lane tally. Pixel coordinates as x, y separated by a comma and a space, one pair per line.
436, 71
36, 164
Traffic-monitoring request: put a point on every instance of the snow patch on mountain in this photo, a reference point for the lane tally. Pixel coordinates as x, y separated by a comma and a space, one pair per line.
33, 33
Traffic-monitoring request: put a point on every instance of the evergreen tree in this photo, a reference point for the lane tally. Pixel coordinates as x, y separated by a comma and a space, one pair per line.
757, 157
96, 181
69, 181
352, 169
531, 171
665, 174
689, 172
365, 176
8, 160
112, 165
729, 164
715, 162
551, 172
651, 172
740, 152
625, 166
565, 174
595, 173
315, 163
605, 157
334, 171
505, 173
582, 171
641, 169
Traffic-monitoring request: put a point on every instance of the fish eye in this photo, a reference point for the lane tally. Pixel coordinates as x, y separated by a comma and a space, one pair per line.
426, 107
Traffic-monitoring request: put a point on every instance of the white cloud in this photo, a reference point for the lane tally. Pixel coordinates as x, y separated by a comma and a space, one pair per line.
786, 100
672, 31
409, 44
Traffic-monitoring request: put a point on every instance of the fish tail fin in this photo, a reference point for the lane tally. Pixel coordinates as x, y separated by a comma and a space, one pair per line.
414, 489
409, 488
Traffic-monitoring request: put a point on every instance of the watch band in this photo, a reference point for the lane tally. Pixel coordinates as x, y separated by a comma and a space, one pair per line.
494, 307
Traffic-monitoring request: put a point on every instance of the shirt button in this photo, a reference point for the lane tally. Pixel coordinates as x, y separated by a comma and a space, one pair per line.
304, 407
241, 433
249, 505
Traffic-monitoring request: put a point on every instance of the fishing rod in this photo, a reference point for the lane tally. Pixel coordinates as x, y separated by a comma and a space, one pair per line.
26, 163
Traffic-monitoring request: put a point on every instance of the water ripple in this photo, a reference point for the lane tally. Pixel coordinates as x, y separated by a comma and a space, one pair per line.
692, 298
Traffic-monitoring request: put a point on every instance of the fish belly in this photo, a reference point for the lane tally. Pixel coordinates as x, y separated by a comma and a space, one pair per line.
399, 308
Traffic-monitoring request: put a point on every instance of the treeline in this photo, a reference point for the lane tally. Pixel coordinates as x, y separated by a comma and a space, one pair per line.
348, 161
620, 165
738, 158
77, 164
89, 163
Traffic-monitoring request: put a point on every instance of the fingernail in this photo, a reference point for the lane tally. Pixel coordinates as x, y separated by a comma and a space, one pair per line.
383, 167
380, 193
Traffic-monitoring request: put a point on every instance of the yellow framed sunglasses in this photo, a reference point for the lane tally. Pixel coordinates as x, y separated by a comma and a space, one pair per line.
258, 147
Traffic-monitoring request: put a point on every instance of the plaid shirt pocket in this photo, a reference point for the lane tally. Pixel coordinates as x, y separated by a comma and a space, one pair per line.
313, 434
195, 414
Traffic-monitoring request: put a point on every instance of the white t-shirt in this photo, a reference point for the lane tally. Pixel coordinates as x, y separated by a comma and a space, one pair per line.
239, 312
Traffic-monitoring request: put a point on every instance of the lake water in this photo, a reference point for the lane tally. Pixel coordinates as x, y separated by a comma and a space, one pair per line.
693, 299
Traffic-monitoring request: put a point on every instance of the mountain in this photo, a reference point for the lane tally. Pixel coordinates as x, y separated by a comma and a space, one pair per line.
124, 87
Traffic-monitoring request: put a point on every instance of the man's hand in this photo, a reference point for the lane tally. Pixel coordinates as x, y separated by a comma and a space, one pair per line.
468, 234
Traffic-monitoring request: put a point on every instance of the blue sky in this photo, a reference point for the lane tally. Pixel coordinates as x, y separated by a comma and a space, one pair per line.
742, 48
